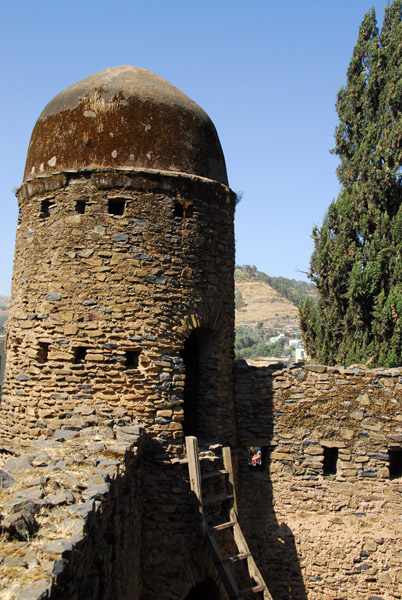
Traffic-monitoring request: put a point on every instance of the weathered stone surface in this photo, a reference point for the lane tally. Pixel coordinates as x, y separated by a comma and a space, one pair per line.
21, 525
37, 590
59, 547
6, 480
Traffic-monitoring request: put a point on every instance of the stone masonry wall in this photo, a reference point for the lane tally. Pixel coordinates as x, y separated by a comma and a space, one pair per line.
315, 535
91, 514
113, 271
71, 514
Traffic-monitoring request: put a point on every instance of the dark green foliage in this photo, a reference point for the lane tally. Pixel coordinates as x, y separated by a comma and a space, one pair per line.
357, 259
291, 289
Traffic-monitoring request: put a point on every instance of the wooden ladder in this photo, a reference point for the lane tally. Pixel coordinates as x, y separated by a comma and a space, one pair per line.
208, 532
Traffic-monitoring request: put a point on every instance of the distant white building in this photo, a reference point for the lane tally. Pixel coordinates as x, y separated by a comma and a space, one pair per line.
276, 338
300, 353
295, 342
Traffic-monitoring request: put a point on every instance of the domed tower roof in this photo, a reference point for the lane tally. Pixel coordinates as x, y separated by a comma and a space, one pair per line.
125, 117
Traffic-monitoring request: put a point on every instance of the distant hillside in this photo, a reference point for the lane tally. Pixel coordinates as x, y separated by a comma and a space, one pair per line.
273, 301
265, 307
258, 302
291, 289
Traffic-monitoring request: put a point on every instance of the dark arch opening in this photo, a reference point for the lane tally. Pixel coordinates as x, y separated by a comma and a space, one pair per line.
206, 590
198, 358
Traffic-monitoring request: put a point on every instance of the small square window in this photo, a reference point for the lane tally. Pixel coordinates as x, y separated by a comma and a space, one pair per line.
116, 206
80, 206
132, 357
259, 457
45, 207
183, 210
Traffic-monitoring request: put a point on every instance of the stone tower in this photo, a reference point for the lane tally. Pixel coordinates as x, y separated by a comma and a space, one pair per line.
122, 294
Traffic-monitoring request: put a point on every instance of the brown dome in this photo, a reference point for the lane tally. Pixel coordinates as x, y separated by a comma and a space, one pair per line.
125, 117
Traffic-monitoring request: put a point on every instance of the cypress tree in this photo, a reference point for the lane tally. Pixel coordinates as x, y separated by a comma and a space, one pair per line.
357, 258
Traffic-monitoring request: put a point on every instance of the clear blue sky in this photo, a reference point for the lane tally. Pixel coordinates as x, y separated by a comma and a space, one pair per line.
266, 72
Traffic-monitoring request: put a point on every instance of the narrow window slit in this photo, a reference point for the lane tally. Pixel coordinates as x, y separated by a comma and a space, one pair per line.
395, 463
330, 460
43, 352
132, 357
178, 210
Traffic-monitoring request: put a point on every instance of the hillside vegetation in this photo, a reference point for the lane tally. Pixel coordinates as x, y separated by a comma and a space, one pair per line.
290, 289
273, 301
265, 307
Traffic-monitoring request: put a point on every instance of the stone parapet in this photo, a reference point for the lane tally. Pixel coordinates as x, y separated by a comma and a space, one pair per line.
323, 511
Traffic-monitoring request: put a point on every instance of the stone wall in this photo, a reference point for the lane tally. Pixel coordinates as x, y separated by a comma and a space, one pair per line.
319, 535
71, 515
114, 270
98, 507
91, 514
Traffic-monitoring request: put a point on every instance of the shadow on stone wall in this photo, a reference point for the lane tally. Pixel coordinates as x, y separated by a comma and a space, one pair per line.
270, 539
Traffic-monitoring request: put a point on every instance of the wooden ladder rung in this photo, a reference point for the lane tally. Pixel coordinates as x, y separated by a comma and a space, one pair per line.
217, 498
236, 557
218, 473
221, 526
252, 590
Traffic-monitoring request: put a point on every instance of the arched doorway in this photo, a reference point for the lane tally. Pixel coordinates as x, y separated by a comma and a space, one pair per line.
206, 590
200, 363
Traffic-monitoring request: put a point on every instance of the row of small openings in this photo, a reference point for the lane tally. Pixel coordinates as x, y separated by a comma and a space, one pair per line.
394, 456
80, 352
258, 458
395, 462
116, 206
